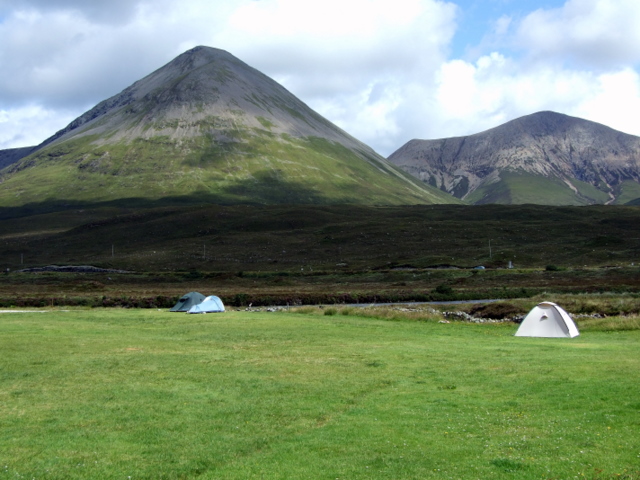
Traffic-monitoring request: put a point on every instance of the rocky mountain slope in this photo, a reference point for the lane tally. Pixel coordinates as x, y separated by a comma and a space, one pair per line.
544, 158
207, 127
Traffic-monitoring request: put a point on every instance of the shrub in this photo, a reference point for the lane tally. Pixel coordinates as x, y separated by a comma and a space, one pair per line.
497, 310
444, 290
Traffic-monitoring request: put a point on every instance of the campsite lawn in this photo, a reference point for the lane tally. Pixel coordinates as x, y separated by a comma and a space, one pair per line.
134, 394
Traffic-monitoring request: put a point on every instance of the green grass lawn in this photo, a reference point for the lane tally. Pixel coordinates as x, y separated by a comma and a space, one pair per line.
119, 394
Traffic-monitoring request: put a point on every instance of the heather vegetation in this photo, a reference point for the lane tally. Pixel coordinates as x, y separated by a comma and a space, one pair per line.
294, 255
294, 239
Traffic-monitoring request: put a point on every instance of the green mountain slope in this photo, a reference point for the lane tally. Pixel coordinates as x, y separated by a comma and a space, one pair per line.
518, 187
207, 127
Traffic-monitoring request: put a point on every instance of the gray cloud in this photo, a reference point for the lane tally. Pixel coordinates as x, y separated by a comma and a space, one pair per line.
66, 61
97, 11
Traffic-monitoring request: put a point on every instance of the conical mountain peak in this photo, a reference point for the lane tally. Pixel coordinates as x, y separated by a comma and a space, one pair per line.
208, 124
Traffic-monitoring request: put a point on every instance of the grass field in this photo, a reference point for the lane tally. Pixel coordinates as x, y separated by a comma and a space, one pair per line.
119, 394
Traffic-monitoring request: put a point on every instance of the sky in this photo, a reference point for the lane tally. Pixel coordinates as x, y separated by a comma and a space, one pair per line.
386, 71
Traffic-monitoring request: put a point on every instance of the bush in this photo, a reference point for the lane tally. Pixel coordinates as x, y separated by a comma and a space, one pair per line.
497, 310
444, 290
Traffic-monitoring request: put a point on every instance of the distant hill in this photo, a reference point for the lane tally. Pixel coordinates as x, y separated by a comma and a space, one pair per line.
12, 155
544, 158
206, 127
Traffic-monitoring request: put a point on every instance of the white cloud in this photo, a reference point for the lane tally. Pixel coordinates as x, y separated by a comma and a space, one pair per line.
472, 97
597, 33
502, 25
614, 100
341, 45
29, 125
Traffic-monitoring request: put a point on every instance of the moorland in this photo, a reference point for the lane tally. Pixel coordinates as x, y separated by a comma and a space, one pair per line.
310, 254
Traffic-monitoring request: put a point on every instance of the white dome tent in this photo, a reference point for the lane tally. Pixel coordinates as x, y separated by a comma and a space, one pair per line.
208, 305
547, 320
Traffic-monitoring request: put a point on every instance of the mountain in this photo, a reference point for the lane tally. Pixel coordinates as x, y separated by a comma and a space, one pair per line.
207, 127
544, 158
12, 155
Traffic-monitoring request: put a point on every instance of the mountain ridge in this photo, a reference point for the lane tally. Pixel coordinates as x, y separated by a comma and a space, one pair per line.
589, 162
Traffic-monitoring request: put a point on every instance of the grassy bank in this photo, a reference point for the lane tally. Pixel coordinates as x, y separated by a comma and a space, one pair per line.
148, 394
161, 290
